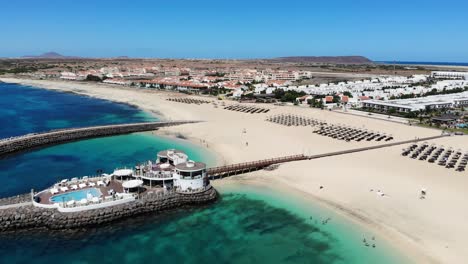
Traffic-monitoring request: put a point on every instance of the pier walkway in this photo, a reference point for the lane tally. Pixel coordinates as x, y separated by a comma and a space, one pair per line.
8, 206
234, 169
29, 141
228, 170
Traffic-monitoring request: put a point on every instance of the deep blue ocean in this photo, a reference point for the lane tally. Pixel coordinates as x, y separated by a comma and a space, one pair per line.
425, 63
247, 224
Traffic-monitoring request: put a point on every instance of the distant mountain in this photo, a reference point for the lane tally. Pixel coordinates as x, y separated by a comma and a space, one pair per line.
48, 55
327, 59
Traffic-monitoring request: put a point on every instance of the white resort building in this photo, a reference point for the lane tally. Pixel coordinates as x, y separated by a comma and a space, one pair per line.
421, 103
449, 75
172, 171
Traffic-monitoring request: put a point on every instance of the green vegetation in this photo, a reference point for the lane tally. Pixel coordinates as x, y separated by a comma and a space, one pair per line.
22, 69
316, 102
216, 91
216, 74
453, 130
288, 96
390, 112
93, 78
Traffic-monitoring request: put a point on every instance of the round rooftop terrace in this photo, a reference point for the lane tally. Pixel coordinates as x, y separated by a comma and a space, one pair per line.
190, 166
169, 152
123, 172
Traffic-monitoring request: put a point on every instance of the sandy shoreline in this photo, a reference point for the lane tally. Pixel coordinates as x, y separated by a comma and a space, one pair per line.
431, 230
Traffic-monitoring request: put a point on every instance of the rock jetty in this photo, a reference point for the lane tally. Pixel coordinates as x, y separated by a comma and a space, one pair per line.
21, 143
31, 217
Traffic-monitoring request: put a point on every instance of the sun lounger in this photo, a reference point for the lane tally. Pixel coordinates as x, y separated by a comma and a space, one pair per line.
101, 183
54, 191
74, 187
92, 184
64, 189
83, 202
82, 185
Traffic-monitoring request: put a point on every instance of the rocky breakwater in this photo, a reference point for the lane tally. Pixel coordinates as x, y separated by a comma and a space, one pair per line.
17, 199
21, 143
31, 217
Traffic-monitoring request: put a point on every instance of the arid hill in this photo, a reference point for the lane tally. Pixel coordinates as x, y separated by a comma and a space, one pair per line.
49, 55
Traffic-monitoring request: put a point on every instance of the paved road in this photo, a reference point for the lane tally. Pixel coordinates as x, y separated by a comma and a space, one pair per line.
393, 119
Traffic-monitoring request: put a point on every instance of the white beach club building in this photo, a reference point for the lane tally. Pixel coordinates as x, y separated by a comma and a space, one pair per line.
173, 169
190, 176
171, 156
161, 173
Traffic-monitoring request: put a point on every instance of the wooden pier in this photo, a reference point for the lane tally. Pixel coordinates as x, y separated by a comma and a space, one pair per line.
233, 169
239, 168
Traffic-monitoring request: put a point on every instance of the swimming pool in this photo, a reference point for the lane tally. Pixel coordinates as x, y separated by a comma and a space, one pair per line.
75, 195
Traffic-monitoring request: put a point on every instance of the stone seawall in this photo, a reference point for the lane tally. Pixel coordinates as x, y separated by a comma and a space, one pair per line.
12, 145
31, 217
21, 198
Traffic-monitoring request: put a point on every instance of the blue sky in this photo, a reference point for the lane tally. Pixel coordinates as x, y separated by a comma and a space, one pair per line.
381, 30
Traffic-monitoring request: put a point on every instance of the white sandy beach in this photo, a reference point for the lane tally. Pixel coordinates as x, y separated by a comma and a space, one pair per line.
430, 231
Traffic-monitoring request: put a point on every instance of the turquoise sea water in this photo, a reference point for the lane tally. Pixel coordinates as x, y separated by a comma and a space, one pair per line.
247, 225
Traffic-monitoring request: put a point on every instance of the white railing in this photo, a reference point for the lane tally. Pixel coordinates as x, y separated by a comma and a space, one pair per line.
158, 175
77, 207
82, 180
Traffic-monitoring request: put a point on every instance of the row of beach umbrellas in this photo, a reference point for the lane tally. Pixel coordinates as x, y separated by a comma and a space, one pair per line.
294, 120
351, 134
447, 157
188, 101
247, 109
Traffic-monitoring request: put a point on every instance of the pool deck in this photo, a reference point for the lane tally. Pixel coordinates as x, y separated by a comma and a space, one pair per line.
113, 185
